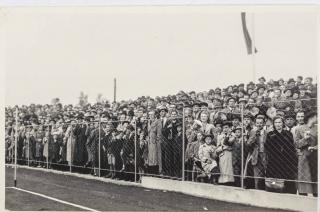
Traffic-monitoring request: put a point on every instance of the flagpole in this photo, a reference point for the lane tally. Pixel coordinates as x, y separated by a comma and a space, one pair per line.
253, 49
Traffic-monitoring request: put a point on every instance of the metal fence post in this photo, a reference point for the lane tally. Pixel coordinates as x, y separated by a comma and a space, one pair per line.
70, 148
48, 152
99, 150
15, 150
29, 151
183, 141
242, 148
135, 152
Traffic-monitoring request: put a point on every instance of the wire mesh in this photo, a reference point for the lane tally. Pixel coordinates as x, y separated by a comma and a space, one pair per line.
242, 149
160, 145
213, 151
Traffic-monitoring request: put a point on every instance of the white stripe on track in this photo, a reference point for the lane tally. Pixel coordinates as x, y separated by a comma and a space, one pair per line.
55, 199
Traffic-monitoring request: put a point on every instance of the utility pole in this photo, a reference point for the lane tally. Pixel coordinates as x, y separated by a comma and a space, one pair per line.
115, 90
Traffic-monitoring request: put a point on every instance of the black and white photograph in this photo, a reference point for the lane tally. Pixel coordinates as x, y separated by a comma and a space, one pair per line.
160, 107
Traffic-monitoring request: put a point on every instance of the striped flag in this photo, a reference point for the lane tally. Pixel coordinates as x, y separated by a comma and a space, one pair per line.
246, 34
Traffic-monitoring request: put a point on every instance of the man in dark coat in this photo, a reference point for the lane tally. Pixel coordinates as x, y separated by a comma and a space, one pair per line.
166, 141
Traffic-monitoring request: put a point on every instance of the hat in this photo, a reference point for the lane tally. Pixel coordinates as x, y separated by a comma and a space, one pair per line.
262, 78
276, 83
235, 116
248, 115
130, 113
242, 100
309, 78
196, 104
309, 115
237, 128
208, 135
260, 116
260, 86
231, 98
295, 91
55, 133
163, 108
226, 123
126, 121
289, 114
103, 119
291, 80
280, 112
217, 121
203, 104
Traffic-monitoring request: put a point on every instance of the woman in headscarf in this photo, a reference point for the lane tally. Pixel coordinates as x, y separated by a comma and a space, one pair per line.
281, 156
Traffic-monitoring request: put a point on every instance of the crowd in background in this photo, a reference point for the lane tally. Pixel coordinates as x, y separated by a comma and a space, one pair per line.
265, 130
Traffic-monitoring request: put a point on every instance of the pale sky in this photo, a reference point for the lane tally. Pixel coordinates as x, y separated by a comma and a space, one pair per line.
58, 52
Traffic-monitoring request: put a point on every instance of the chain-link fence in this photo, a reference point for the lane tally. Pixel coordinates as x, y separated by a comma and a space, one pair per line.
214, 146
262, 145
160, 144
269, 146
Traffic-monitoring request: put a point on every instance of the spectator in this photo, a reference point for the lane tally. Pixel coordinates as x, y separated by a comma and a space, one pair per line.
281, 156
307, 144
256, 142
224, 151
237, 155
207, 156
154, 145
205, 112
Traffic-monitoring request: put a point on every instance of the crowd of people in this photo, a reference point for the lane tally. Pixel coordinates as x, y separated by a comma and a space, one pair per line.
265, 130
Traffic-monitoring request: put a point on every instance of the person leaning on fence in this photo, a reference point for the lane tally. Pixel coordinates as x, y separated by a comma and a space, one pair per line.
257, 155
105, 140
207, 156
38, 135
224, 151
282, 161
154, 160
54, 155
236, 155
306, 141
177, 149
92, 143
47, 147
166, 141
29, 143
142, 148
192, 153
128, 149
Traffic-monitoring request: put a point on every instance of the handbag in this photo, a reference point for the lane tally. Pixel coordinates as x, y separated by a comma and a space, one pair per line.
274, 184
